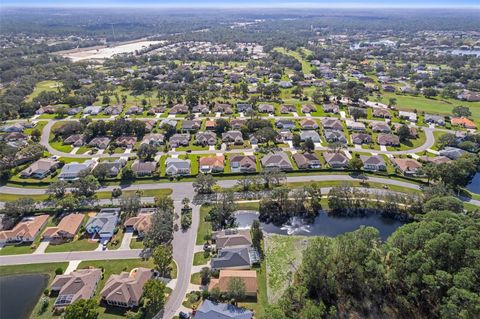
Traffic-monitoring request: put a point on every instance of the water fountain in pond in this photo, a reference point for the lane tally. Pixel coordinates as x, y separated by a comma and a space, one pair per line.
295, 226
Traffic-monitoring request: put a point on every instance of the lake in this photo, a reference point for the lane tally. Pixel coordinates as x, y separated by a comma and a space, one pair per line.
324, 225
474, 185
19, 294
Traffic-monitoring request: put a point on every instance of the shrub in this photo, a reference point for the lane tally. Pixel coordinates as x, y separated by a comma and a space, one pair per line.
58, 271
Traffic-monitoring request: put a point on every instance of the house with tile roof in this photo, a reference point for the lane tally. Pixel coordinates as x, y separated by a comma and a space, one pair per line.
79, 284
66, 228
248, 277
25, 231
126, 289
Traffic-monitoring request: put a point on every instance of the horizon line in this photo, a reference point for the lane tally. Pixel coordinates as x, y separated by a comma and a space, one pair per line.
249, 6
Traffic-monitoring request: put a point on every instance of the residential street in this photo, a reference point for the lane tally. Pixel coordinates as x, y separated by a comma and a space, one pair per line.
68, 256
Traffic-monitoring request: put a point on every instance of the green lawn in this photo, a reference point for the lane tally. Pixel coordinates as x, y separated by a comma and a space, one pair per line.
17, 249
204, 227
47, 86
199, 258
196, 278
436, 105
136, 244
59, 146
75, 245
12, 197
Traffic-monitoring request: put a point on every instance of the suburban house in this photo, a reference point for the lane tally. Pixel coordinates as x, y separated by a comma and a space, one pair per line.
154, 139
463, 122
232, 137
177, 140
452, 152
79, 284
168, 122
266, 108
211, 310
201, 108
410, 116
134, 110
287, 108
212, 164
103, 224
380, 127
205, 138
332, 124
313, 135
434, 160
72, 171
15, 127
232, 238
308, 108
381, 112
66, 228
308, 124
232, 258
248, 277
243, 164
140, 223
470, 96
176, 166
236, 124
361, 138
336, 159
179, 109
143, 168
278, 160
40, 168
243, 107
14, 136
358, 111
284, 136
149, 124
99, 142
332, 136
306, 160
285, 124
434, 119
126, 289
331, 108
191, 125
92, 110
373, 163
159, 109
25, 231
113, 110
126, 141
388, 139
407, 166
355, 126
223, 108
112, 169
76, 140
210, 124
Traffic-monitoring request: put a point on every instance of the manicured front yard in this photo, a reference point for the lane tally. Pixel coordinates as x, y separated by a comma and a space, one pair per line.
200, 259
83, 244
204, 227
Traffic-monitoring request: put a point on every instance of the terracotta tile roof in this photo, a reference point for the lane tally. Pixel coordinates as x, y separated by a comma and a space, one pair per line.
68, 226
462, 121
249, 277
27, 228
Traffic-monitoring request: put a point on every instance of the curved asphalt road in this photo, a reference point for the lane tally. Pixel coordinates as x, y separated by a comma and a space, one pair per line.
44, 140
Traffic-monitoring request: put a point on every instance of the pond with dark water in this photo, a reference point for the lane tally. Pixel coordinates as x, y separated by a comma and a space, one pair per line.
19, 294
323, 225
474, 185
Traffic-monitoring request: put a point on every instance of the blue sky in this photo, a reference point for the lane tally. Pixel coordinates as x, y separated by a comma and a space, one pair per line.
242, 3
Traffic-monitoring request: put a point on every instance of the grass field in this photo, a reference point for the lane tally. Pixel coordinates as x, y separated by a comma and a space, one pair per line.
47, 86
204, 227
435, 106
